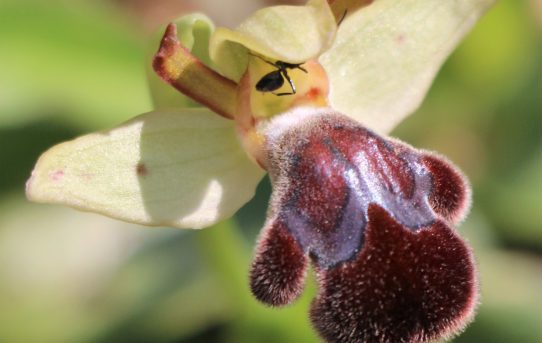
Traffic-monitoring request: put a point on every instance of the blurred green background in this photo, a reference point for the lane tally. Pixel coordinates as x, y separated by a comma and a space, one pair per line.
70, 67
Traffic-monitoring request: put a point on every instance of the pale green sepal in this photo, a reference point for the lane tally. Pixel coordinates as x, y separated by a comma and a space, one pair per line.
386, 55
288, 33
181, 168
194, 32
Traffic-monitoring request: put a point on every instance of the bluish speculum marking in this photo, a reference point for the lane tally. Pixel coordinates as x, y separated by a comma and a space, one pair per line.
336, 168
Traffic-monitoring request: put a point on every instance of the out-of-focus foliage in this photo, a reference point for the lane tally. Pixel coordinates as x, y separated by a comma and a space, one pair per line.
68, 67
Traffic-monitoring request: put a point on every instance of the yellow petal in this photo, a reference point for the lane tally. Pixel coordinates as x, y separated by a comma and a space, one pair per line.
292, 34
184, 169
386, 55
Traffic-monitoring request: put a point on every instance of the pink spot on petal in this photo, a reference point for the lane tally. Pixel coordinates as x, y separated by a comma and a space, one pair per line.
400, 38
57, 175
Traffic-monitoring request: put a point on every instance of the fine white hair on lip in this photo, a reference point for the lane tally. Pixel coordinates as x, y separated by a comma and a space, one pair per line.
296, 116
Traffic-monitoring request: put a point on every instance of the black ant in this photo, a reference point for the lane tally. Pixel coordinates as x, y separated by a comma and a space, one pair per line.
272, 81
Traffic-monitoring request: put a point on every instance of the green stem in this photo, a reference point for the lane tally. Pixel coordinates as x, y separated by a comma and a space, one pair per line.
229, 257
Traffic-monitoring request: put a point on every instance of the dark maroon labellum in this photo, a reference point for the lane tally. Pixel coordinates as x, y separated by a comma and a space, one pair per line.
374, 216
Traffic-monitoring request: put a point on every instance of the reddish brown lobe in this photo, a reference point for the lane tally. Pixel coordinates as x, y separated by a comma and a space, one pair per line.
403, 286
278, 272
449, 193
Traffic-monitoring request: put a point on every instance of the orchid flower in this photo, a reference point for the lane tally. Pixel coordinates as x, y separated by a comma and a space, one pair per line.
306, 93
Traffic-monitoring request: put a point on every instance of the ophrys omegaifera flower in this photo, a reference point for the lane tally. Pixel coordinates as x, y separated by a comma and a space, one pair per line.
292, 93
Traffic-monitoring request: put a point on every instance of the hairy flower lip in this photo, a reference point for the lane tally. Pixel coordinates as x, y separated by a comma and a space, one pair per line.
334, 321
409, 278
412, 185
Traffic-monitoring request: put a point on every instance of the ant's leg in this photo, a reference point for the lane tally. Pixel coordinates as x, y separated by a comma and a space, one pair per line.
284, 73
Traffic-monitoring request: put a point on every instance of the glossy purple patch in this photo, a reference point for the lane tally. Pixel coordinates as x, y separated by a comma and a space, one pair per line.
337, 168
373, 215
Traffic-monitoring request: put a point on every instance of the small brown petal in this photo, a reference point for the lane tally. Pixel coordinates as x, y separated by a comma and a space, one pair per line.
450, 195
278, 272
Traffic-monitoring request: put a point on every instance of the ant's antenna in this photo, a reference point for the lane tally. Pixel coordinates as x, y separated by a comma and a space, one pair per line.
263, 59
